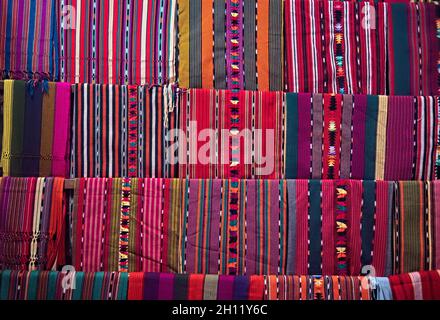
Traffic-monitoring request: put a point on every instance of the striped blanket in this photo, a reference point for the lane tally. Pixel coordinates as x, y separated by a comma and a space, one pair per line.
35, 129
246, 227
231, 44
32, 223
29, 46
52, 285
361, 47
118, 42
120, 131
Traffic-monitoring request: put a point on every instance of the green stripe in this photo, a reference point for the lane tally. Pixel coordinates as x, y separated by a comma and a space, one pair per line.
18, 111
33, 285
4, 287
401, 49
52, 285
123, 286
370, 136
291, 135
411, 233
97, 286
79, 282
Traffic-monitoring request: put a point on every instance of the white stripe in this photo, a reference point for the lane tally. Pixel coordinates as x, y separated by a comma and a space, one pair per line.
314, 57
77, 36
347, 48
294, 48
173, 34
85, 129
422, 121
110, 42
110, 131
431, 135
144, 42
332, 43
153, 135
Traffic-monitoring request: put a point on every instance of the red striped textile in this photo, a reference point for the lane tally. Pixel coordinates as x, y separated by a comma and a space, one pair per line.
424, 285
361, 47
118, 42
32, 223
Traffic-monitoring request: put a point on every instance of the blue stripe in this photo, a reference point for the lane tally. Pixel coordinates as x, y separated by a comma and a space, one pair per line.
367, 221
292, 136
315, 227
401, 49
31, 31
370, 137
8, 37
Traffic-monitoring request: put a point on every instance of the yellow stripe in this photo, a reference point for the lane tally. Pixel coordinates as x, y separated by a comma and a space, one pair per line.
7, 125
184, 43
381, 137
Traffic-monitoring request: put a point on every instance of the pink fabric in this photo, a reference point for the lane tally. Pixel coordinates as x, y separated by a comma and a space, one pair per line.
60, 152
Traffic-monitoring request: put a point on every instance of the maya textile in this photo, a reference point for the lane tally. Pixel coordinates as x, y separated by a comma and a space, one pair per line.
118, 42
360, 137
126, 225
231, 134
29, 45
424, 285
35, 129
247, 227
120, 131
231, 44
416, 226
361, 47
54, 285
32, 222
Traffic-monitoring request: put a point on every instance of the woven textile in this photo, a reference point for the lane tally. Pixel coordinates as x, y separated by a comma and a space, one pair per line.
416, 226
118, 42
360, 137
35, 129
29, 45
52, 285
247, 227
246, 130
49, 285
120, 131
206, 133
126, 225
226, 44
32, 218
361, 47
416, 286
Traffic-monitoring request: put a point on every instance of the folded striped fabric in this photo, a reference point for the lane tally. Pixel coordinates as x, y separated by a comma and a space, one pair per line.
246, 227
416, 286
29, 35
225, 126
52, 285
118, 42
361, 47
121, 131
416, 244
126, 225
35, 130
231, 44
360, 137
32, 223
203, 133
